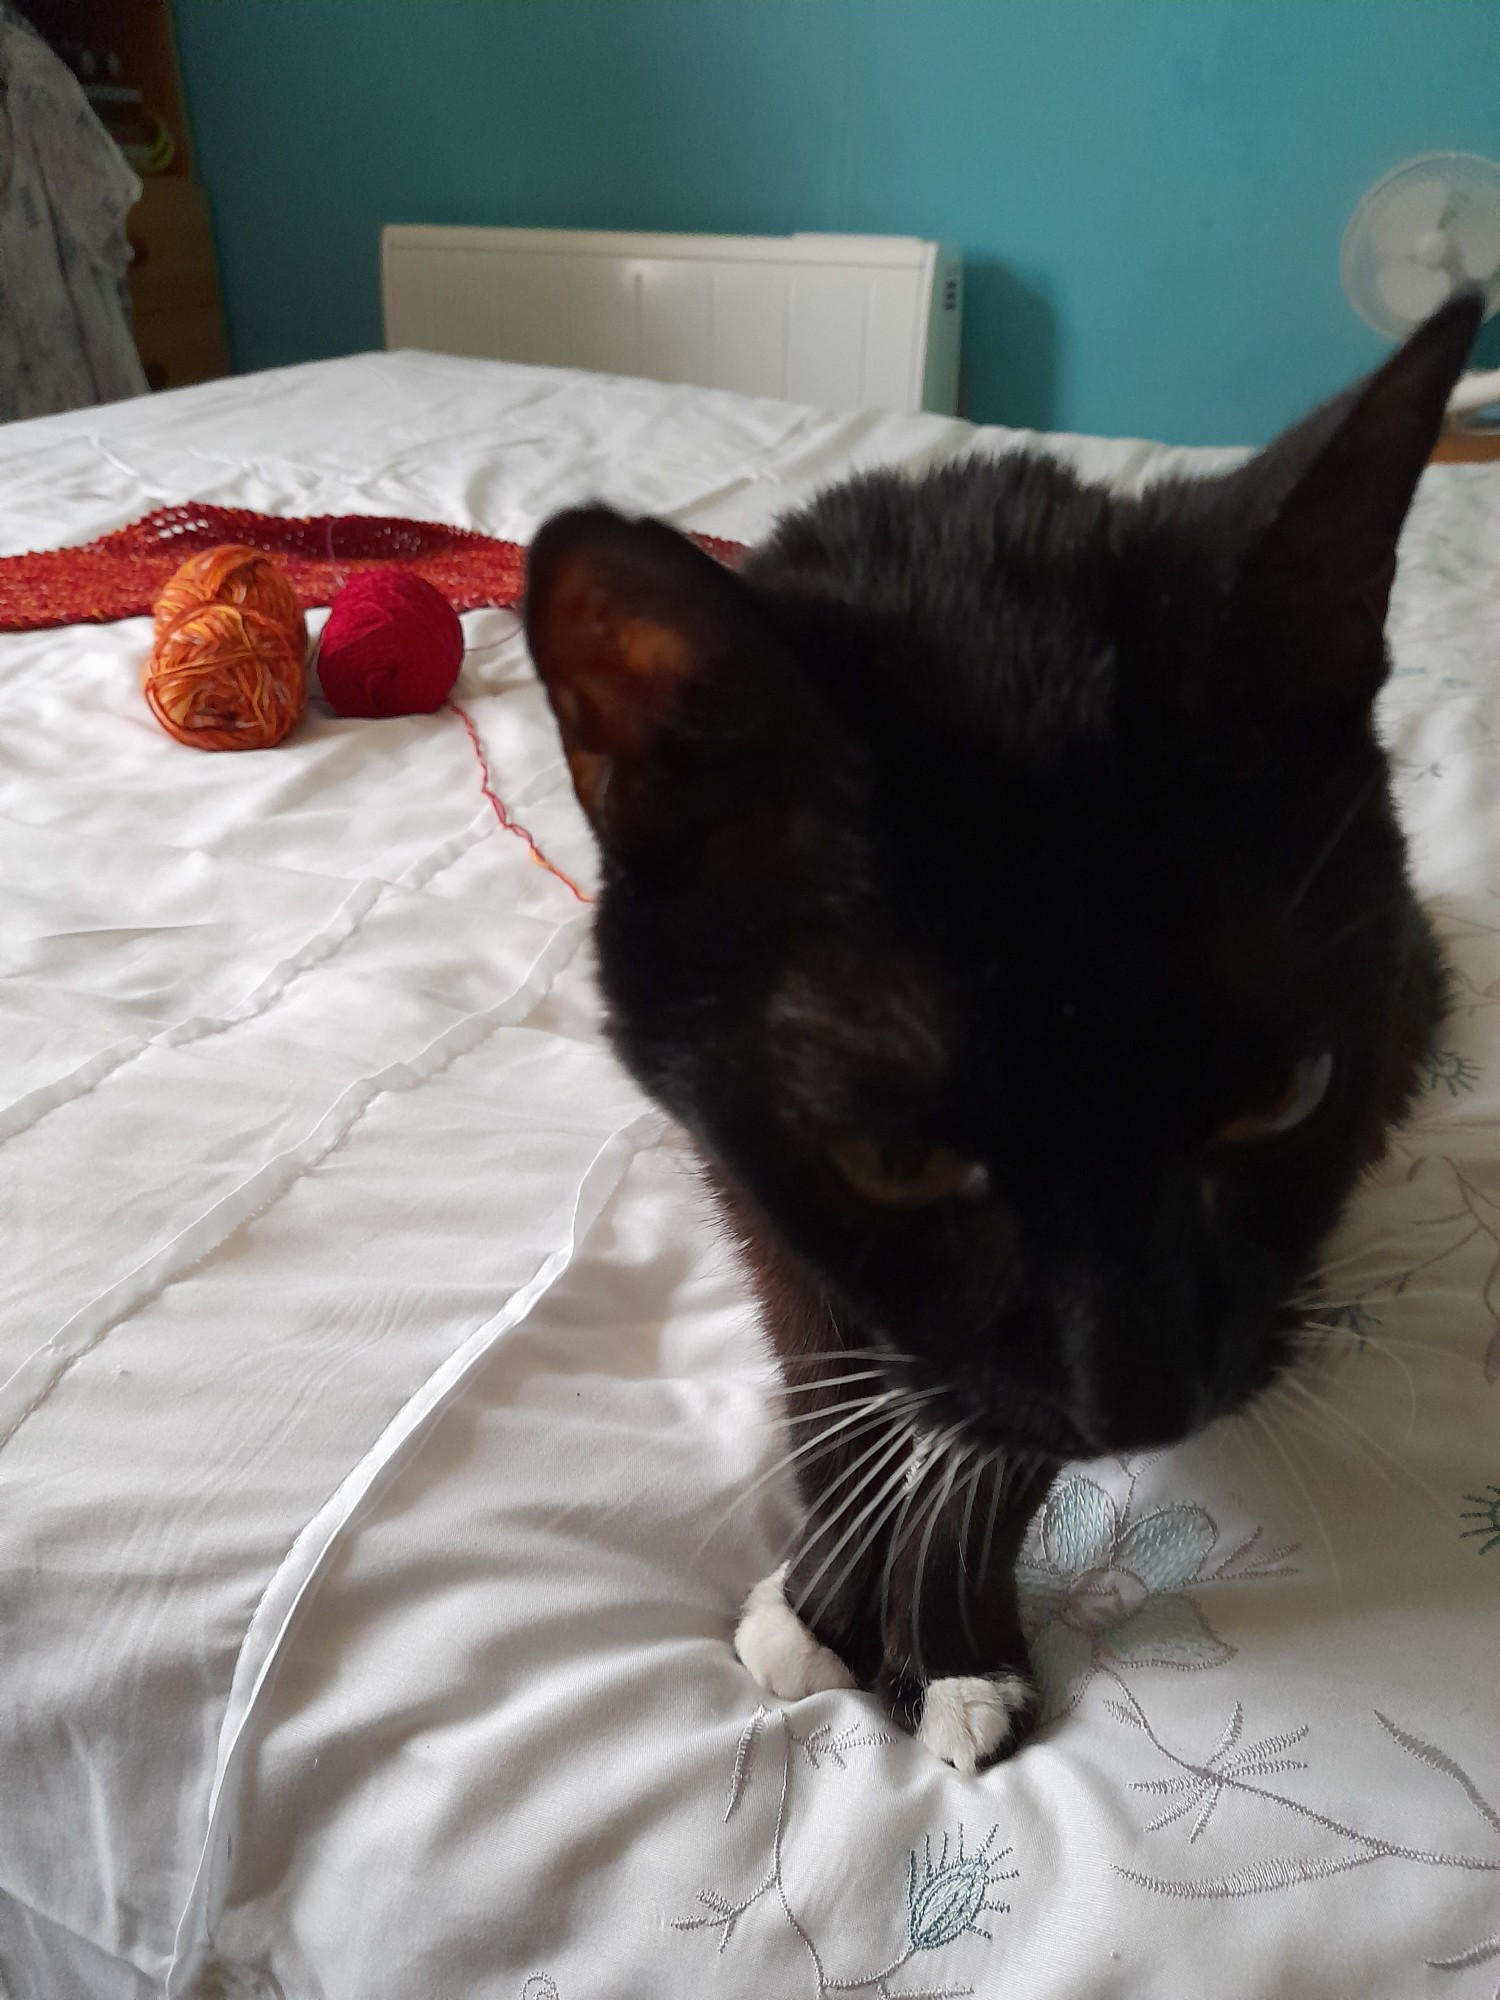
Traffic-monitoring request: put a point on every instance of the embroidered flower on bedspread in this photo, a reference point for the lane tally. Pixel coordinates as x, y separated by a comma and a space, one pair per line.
1197, 1786
1447, 1068
1484, 1510
1106, 1585
947, 1900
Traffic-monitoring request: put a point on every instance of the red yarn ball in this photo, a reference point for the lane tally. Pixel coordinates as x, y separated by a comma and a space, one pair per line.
392, 646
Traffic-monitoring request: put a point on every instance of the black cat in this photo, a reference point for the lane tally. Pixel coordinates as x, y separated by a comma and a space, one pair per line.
1002, 885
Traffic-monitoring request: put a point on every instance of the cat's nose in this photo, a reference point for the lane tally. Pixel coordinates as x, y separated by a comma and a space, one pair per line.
1139, 1401
1132, 1376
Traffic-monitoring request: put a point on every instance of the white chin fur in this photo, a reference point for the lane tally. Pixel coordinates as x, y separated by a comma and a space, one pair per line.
778, 1649
967, 1718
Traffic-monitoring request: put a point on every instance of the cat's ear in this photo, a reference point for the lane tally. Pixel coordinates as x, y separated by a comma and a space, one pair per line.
646, 646
1324, 504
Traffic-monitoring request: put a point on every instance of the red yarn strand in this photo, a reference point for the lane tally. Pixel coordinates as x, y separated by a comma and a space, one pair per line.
511, 825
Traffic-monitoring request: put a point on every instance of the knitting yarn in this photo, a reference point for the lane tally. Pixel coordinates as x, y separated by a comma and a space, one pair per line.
232, 574
226, 678
392, 646
228, 670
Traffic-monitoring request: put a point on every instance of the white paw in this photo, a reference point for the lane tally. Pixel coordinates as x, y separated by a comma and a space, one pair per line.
967, 1718
777, 1647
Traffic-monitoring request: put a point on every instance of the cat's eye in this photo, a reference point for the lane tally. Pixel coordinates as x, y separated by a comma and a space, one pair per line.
1304, 1089
905, 1174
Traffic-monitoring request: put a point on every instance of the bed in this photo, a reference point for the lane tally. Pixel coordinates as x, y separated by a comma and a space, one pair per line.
385, 1439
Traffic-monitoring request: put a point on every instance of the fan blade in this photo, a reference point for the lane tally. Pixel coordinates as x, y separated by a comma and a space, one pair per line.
1403, 217
1412, 290
1475, 234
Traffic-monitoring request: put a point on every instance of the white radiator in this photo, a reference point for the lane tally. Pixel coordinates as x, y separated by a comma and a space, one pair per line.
847, 322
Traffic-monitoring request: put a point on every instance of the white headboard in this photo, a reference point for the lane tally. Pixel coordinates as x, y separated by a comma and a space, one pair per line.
847, 322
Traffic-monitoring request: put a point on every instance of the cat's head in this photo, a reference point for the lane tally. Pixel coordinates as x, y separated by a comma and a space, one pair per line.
1001, 883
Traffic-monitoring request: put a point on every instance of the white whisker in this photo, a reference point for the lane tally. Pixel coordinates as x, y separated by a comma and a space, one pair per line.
934, 1513
1384, 1460
869, 1411
1325, 854
1280, 1449
873, 1518
1001, 1469
903, 1413
981, 1459
893, 1450
822, 1382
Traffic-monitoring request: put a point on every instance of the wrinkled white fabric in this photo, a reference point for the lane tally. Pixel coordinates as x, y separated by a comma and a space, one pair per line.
380, 1414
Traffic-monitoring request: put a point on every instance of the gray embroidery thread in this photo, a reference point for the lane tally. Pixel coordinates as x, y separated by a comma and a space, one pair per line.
1201, 1784
1472, 1220
947, 1894
1486, 1511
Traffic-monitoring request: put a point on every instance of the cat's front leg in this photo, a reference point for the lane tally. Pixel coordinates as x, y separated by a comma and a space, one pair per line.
814, 1622
955, 1666
913, 1595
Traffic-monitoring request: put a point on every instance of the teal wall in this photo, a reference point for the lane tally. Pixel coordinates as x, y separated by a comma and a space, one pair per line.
1149, 194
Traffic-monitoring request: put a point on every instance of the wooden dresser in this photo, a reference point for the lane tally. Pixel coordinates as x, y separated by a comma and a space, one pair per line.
174, 284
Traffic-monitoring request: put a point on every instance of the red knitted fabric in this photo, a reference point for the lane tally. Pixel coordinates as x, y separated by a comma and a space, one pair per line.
119, 575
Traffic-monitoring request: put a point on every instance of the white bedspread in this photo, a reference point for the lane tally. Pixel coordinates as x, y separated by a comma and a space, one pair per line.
380, 1416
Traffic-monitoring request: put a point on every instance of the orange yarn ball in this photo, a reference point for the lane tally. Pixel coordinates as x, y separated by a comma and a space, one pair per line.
232, 575
223, 678
229, 667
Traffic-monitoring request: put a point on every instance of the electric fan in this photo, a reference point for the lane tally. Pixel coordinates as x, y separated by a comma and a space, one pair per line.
1431, 225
